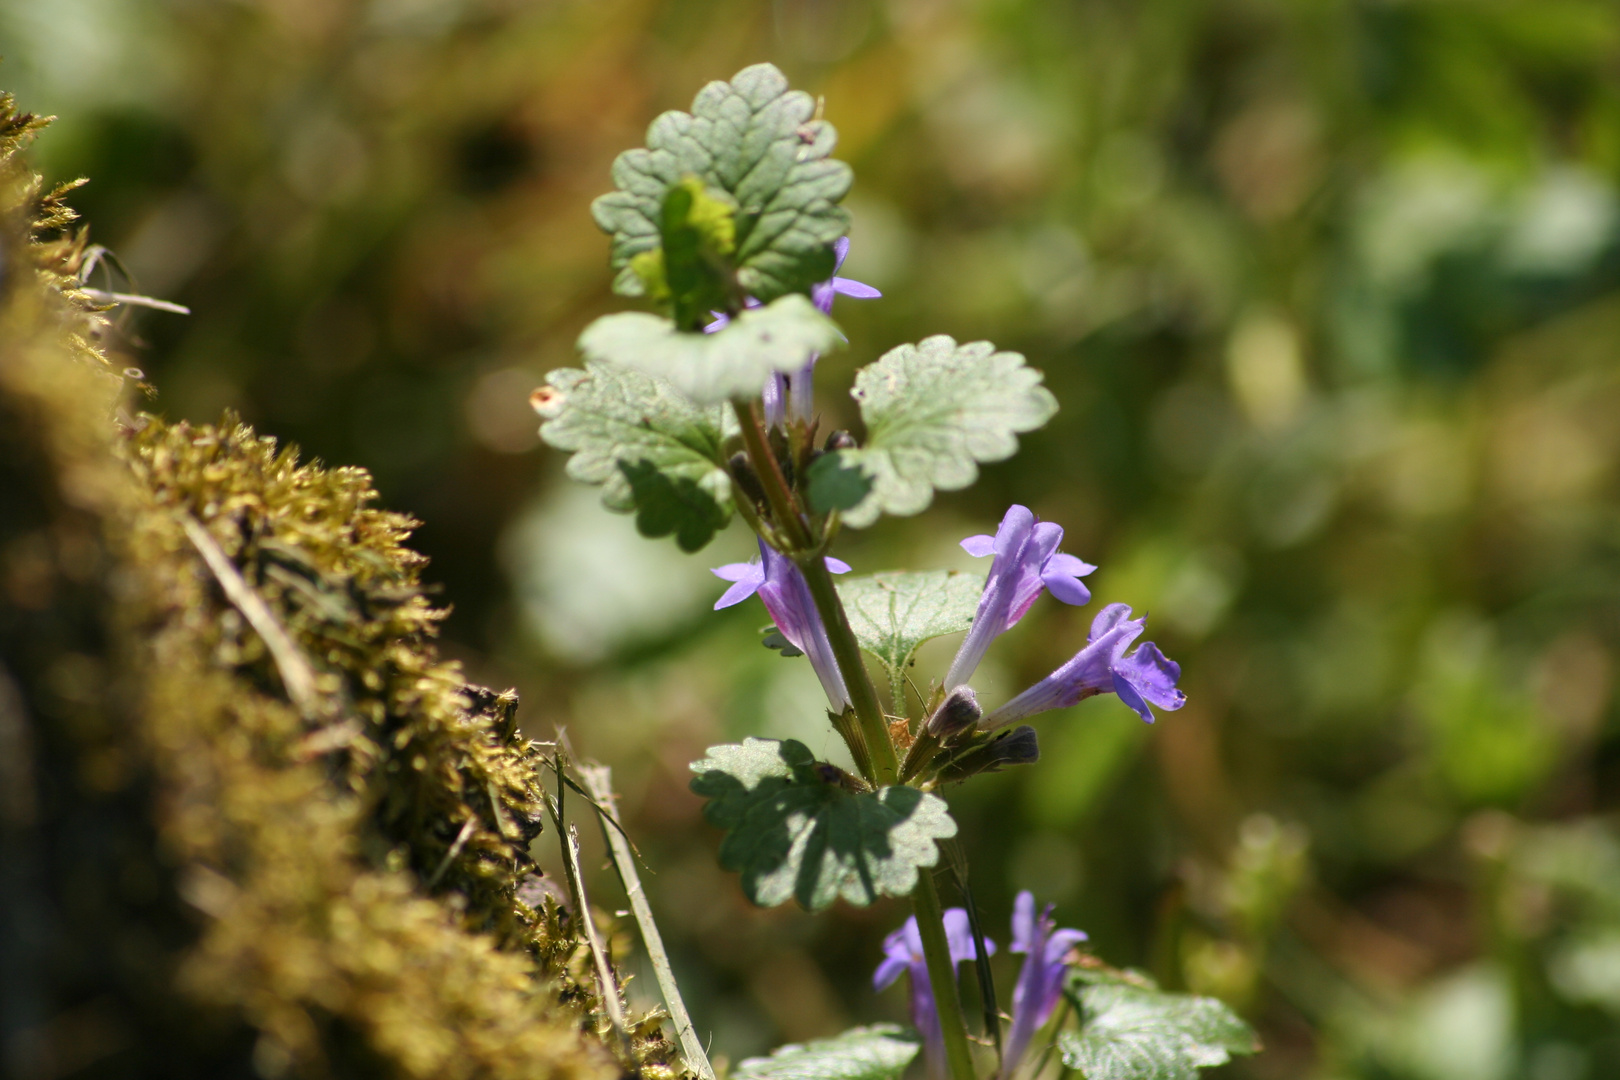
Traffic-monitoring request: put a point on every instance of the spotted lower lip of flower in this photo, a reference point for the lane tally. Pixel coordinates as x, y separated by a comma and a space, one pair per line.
903, 954
1103, 667
1027, 561
786, 595
1040, 981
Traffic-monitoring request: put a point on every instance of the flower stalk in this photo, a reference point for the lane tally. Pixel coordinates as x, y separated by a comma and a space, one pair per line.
942, 977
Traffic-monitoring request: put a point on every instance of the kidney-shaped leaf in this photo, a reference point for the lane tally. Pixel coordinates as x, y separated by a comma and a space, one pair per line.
933, 412
760, 142
801, 829
879, 1052
1131, 1032
710, 368
654, 452
892, 613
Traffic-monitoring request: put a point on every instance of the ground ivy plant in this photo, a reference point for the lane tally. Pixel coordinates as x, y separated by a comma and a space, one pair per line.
728, 223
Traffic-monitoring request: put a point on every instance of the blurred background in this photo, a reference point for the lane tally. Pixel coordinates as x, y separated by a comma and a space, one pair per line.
1329, 293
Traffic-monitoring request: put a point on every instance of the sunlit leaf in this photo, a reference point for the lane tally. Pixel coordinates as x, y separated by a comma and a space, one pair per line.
758, 141
933, 412
1132, 1031
893, 613
655, 453
879, 1052
798, 828
734, 362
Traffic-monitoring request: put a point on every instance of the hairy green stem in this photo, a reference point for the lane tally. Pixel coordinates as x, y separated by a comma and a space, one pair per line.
847, 651
777, 493
942, 976
884, 766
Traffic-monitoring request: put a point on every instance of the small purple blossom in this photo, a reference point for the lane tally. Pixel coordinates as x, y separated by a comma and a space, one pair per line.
1026, 561
786, 595
792, 393
903, 953
1040, 981
1102, 667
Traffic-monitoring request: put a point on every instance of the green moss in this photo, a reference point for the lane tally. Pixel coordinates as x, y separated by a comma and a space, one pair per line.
240, 857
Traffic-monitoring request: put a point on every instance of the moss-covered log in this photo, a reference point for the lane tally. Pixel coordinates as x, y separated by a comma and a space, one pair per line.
250, 822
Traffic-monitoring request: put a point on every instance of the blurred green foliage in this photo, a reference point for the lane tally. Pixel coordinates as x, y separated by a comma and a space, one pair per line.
1328, 294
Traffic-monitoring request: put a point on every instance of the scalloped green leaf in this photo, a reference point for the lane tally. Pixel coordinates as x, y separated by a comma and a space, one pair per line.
894, 612
801, 829
655, 453
733, 362
934, 412
759, 141
1137, 1032
879, 1052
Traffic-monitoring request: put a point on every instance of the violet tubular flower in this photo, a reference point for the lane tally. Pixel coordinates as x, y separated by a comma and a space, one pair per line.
786, 595
1040, 980
1141, 677
1026, 561
903, 953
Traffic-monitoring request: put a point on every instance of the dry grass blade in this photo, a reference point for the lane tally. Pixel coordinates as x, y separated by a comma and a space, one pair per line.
599, 781
296, 674
607, 985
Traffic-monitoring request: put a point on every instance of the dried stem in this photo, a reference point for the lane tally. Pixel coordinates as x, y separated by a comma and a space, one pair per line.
599, 781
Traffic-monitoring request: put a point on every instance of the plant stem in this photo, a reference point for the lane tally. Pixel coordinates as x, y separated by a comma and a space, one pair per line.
942, 976
769, 471
884, 765
847, 651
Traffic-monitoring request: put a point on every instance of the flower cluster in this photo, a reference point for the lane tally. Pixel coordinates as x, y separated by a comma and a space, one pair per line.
1035, 997
1026, 563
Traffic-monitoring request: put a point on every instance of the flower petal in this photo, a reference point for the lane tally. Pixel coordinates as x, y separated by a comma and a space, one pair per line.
1024, 923
979, 546
888, 971
736, 594
1061, 576
840, 253
837, 566
1106, 619
1127, 693
1015, 529
858, 290
1152, 675
740, 571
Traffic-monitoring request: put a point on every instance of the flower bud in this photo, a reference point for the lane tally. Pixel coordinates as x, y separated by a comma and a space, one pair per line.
957, 713
1015, 747
743, 474
840, 440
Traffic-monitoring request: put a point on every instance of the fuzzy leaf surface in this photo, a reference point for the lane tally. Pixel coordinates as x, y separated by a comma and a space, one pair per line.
759, 141
879, 1052
796, 828
733, 362
892, 613
1132, 1032
934, 411
654, 453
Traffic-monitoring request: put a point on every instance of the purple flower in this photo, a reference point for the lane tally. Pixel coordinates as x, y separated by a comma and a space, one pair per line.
1026, 561
903, 952
786, 596
1040, 981
784, 393
1102, 667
